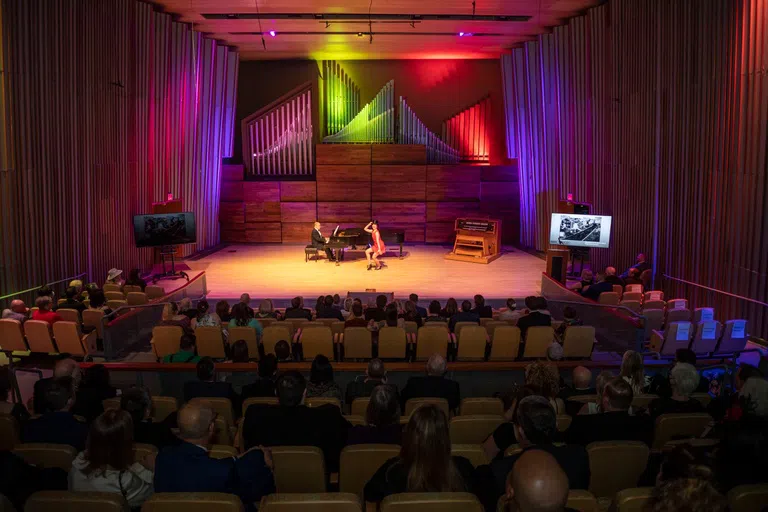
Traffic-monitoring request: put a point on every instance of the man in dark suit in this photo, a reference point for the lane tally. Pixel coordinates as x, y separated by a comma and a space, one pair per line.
593, 291
138, 403
415, 299
377, 314
614, 423
633, 277
481, 309
538, 315
318, 242
57, 425
612, 278
294, 424
328, 311
640, 264
432, 385
297, 309
265, 385
535, 427
207, 387
465, 315
188, 467
375, 375
71, 301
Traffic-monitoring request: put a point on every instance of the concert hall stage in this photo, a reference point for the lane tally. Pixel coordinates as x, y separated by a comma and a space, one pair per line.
279, 272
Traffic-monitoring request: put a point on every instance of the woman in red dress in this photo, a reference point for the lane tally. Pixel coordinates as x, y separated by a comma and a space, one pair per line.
377, 247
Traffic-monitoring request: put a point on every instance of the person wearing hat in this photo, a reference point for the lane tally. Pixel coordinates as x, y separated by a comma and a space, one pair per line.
113, 277
17, 311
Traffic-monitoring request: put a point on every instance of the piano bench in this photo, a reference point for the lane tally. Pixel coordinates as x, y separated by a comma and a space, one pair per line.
309, 251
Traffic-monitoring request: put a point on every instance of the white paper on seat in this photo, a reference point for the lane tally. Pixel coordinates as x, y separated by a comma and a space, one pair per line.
708, 330
683, 331
680, 304
654, 296
707, 314
739, 326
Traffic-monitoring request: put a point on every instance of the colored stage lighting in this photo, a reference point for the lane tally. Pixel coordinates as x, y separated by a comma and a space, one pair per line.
272, 33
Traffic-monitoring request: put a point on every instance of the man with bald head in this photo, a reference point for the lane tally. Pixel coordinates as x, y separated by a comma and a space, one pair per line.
18, 311
611, 277
189, 468
581, 378
66, 367
432, 385
537, 484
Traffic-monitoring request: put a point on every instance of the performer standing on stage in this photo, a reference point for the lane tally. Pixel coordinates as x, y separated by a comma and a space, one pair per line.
377, 247
318, 241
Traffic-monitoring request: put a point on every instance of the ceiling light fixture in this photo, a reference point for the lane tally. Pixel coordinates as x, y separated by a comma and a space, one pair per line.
272, 33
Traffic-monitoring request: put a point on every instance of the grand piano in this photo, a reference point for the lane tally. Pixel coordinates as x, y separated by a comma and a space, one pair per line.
358, 239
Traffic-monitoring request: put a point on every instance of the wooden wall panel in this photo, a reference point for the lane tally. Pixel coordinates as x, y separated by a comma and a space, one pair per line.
300, 191
440, 233
297, 232
400, 173
344, 212
232, 172
298, 212
231, 191
501, 193
342, 154
232, 214
266, 211
500, 172
398, 154
437, 191
449, 212
343, 172
261, 191
406, 191
233, 236
343, 191
405, 213
454, 173
414, 234
263, 232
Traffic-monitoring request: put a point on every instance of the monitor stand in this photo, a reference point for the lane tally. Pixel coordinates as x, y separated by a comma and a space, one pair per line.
165, 252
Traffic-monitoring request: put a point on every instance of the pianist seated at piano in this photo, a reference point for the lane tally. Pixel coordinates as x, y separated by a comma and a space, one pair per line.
319, 241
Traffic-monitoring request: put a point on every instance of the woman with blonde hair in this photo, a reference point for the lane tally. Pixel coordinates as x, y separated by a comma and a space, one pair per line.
633, 372
546, 378
267, 310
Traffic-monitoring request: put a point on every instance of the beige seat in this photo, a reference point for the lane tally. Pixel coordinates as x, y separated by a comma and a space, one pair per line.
584, 399
69, 339
411, 328
618, 290
461, 325
431, 340
671, 426
306, 324
293, 324
633, 288
221, 406
491, 325
359, 406
702, 398
615, 466
69, 315
224, 433
414, 403
210, 342
703, 314
248, 334
563, 422
108, 287
582, 501
735, 336
222, 451
192, 502
357, 343
653, 295
154, 292
748, 498
632, 296
492, 406
114, 295
678, 315
505, 343
392, 343
642, 401
474, 453
608, 298
166, 340
12, 336
114, 305
537, 341
93, 318
358, 463
281, 331
578, 342
632, 500
9, 432
431, 502
633, 305
473, 429
38, 335
143, 450
111, 403
316, 502
472, 342
317, 401
47, 455
129, 288
163, 406
337, 328
654, 321
136, 298
677, 304
259, 400
317, 340
677, 335
355, 419
68, 501
654, 304
514, 449
298, 469
708, 333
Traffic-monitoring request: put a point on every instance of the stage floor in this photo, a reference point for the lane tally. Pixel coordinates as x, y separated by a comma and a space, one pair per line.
279, 272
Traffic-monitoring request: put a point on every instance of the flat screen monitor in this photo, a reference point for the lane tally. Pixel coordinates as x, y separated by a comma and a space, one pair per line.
580, 230
164, 229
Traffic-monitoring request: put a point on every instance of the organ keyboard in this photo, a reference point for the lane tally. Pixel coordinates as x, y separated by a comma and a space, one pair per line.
477, 241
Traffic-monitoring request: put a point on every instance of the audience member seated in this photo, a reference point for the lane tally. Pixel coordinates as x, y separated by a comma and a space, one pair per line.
245, 300
188, 468
66, 367
633, 277
187, 351
612, 278
614, 422
535, 428
415, 299
546, 378
187, 309
392, 318
172, 315
538, 315
138, 403
536, 484
92, 391
465, 315
587, 279
204, 317
593, 407
329, 311
640, 265
321, 383
362, 386
582, 381
56, 423
432, 385
239, 354
134, 279
433, 314
450, 309
660, 385
222, 311
114, 276
294, 424
44, 312
241, 317
265, 384
425, 463
207, 387
377, 314
346, 311
16, 410
511, 314
18, 311
633, 371
686, 495
505, 434
382, 419
481, 309
356, 318
19, 480
107, 463
297, 310
98, 302
283, 351
412, 314
684, 379
570, 318
593, 291
742, 457
337, 301
728, 405
71, 300
267, 310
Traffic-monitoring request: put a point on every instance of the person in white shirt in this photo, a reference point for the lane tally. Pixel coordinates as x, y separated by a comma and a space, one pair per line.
511, 313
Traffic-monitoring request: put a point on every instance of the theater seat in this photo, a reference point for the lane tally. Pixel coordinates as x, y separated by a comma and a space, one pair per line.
505, 343
69, 315
9, 432
358, 463
210, 342
38, 335
672, 426
414, 403
472, 343
12, 336
66, 501
748, 498
316, 502
582, 501
69, 339
142, 450
632, 500
472, 452
163, 406
259, 400
136, 298
47, 455
248, 334
359, 406
154, 292
431, 502
192, 502
608, 298
392, 343
222, 451
537, 341
166, 340
677, 335
221, 406
735, 336
578, 342
317, 401
493, 406
473, 429
93, 318
357, 343
298, 469
615, 466
315, 341
431, 340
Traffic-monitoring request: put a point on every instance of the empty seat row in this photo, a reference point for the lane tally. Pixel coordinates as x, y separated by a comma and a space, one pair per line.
38, 336
706, 337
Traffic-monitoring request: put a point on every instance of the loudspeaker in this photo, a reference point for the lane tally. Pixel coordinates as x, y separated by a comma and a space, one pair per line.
557, 264
564, 206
